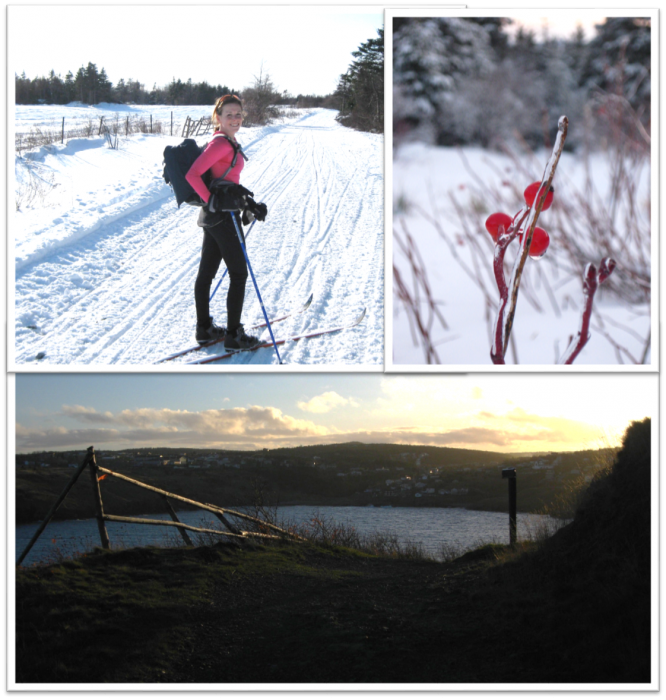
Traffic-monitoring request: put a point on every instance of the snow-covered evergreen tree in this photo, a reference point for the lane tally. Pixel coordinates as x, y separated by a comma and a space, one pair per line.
432, 58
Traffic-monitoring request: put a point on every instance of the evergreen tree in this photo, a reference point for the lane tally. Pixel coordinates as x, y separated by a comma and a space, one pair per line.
69, 88
619, 60
103, 88
433, 60
361, 89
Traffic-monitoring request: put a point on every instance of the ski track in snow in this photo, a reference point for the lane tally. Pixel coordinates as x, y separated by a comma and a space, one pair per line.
116, 285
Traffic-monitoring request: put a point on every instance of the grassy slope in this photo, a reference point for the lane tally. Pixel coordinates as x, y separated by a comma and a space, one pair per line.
573, 610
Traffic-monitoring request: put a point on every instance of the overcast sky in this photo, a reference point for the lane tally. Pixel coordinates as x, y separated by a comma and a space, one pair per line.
551, 21
304, 48
500, 413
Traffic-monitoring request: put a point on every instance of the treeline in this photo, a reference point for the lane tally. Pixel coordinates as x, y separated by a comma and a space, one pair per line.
360, 91
359, 96
91, 85
470, 81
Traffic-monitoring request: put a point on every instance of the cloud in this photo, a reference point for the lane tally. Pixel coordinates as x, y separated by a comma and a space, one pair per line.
235, 428
87, 415
325, 402
256, 427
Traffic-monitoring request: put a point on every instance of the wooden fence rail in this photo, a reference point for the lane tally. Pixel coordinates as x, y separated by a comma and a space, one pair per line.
102, 517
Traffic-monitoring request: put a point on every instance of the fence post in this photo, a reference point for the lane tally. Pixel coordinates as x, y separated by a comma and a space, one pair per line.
227, 524
171, 124
99, 131
62, 139
174, 517
99, 507
55, 506
151, 123
510, 474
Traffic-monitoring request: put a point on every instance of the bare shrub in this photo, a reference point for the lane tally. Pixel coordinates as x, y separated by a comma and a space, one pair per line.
33, 183
583, 226
259, 101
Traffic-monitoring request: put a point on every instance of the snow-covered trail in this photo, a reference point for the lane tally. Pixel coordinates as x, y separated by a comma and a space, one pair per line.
118, 290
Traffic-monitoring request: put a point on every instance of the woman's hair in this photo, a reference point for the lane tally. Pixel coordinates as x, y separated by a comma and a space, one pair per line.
224, 100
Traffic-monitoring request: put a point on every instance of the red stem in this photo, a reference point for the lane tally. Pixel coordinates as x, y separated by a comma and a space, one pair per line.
503, 241
591, 281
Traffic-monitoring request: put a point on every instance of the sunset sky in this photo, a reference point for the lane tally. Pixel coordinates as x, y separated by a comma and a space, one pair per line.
506, 413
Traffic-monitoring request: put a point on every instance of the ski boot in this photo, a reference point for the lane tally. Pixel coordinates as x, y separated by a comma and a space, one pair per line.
238, 340
206, 334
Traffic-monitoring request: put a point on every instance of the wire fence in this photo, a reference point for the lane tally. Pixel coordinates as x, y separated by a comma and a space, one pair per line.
102, 126
114, 126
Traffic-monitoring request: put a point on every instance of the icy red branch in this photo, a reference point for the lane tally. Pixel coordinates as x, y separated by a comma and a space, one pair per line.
591, 281
546, 182
505, 237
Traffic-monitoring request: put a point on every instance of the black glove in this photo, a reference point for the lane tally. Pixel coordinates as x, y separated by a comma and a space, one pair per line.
228, 196
257, 209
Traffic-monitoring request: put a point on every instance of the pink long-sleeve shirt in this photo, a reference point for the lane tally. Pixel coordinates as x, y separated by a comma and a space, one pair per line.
216, 157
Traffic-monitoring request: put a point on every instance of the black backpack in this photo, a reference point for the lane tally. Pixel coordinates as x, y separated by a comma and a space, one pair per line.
179, 159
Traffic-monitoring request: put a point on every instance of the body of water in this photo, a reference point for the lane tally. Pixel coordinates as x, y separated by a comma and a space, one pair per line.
433, 528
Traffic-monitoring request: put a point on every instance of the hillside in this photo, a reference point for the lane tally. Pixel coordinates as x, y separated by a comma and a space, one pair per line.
341, 474
573, 610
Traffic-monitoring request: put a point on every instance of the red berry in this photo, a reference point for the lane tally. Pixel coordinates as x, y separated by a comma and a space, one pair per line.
531, 192
494, 221
539, 244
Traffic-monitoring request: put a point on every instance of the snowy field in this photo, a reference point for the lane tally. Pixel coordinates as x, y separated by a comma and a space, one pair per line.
441, 199
105, 263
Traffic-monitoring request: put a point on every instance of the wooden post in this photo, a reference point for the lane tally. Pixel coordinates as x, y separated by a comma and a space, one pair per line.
171, 134
227, 524
55, 506
99, 507
510, 474
99, 131
151, 123
62, 138
174, 517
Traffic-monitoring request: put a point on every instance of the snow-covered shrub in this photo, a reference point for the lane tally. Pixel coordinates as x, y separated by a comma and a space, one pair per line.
596, 214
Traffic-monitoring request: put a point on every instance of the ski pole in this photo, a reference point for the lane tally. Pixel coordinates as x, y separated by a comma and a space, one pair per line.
224, 274
254, 281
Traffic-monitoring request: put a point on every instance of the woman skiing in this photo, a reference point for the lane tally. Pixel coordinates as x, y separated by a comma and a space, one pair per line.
220, 240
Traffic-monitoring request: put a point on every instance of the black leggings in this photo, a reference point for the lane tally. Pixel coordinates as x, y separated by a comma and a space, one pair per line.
220, 242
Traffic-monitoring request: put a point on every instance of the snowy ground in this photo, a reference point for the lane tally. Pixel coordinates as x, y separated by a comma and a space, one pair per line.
105, 263
458, 189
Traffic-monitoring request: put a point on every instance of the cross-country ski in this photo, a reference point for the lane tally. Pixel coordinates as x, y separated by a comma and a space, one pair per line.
269, 344
253, 327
